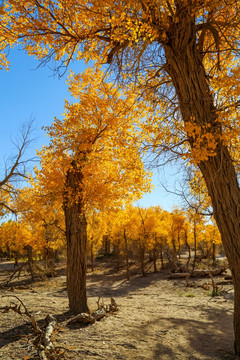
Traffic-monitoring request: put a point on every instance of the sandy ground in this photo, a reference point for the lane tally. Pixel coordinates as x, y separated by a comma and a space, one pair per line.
158, 319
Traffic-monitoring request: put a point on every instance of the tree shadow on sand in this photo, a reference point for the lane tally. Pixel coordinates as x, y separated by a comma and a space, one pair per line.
212, 337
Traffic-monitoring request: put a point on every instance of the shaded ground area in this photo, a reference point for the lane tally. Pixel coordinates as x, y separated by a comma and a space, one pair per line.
158, 319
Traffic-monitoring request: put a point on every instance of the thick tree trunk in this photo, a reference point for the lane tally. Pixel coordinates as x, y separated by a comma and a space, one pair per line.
223, 188
196, 103
76, 233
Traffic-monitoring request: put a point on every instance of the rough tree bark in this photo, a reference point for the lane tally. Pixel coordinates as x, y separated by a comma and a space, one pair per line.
76, 233
184, 65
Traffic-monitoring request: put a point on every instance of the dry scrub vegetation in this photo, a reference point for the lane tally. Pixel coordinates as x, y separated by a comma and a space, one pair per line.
158, 317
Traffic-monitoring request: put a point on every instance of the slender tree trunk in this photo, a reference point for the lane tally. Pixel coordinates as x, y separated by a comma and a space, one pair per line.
118, 256
161, 256
150, 255
76, 233
107, 245
142, 258
8, 253
174, 248
195, 243
30, 261
50, 260
196, 103
188, 247
179, 246
155, 258
45, 256
214, 251
207, 254
92, 258
126, 254
56, 255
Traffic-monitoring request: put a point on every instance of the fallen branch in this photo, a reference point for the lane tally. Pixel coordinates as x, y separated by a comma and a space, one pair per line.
202, 273
228, 277
225, 282
17, 271
17, 308
85, 319
196, 273
30, 267
82, 318
42, 341
179, 275
46, 339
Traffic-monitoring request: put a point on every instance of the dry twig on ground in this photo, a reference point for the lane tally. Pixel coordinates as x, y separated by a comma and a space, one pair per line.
42, 341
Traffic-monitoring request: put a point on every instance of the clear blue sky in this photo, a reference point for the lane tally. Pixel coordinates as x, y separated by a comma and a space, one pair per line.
30, 92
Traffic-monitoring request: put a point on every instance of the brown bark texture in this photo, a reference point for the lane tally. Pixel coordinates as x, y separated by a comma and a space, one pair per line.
184, 66
76, 233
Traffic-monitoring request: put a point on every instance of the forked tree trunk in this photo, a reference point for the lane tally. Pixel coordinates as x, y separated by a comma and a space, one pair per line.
196, 103
76, 233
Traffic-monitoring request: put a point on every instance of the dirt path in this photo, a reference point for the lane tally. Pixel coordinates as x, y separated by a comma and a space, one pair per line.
159, 319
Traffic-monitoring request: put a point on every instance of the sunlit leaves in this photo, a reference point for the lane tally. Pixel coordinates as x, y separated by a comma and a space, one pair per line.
130, 36
99, 135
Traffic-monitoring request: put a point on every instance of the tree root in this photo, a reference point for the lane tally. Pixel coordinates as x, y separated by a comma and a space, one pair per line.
85, 319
